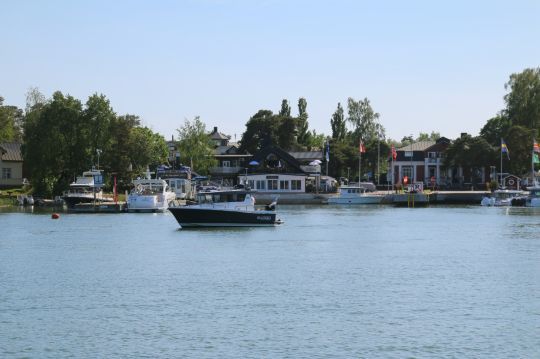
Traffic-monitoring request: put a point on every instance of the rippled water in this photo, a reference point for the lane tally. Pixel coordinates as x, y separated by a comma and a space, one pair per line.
373, 282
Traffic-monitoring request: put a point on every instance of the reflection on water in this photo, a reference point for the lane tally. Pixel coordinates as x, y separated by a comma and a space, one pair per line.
353, 281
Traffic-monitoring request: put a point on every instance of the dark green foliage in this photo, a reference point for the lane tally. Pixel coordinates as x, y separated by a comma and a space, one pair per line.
339, 127
61, 140
302, 122
11, 118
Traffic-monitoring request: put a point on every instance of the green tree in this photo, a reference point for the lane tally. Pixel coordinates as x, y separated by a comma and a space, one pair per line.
424, 136
519, 141
11, 118
302, 122
196, 146
147, 149
363, 119
338, 124
51, 149
496, 128
523, 100
261, 128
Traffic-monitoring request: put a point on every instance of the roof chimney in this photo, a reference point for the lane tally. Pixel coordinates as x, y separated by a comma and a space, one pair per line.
215, 129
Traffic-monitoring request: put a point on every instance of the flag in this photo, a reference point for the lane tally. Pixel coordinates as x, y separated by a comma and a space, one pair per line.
362, 147
327, 151
394, 153
536, 146
504, 148
535, 158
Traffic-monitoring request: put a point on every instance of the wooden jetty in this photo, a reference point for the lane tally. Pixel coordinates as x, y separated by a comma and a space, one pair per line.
101, 207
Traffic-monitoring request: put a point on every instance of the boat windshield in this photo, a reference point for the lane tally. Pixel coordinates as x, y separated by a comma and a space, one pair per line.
148, 189
220, 197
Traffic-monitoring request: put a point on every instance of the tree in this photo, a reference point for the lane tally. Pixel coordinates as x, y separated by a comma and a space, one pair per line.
424, 136
338, 123
99, 116
363, 119
496, 128
315, 140
196, 146
11, 118
523, 100
519, 141
285, 110
302, 122
261, 128
147, 149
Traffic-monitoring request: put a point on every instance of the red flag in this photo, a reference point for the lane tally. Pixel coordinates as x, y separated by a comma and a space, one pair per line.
362, 148
394, 153
536, 147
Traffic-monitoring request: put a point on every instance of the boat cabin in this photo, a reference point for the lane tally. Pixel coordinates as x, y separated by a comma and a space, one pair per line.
222, 196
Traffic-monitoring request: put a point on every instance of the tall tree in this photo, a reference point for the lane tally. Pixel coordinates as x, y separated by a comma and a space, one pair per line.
195, 145
338, 123
147, 149
303, 126
285, 110
363, 119
523, 100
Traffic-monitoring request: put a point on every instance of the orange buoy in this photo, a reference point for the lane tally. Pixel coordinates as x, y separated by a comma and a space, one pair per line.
55, 216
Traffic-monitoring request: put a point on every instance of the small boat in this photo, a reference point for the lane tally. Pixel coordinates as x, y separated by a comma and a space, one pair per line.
25, 200
232, 208
501, 198
355, 195
149, 195
533, 198
86, 189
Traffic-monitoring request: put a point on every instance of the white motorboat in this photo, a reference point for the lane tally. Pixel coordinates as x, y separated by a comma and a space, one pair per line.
533, 199
86, 189
150, 195
501, 198
355, 195
233, 208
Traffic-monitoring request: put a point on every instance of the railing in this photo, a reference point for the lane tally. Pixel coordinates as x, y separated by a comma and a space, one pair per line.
226, 170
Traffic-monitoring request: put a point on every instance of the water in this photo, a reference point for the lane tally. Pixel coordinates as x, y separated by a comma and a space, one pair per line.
363, 282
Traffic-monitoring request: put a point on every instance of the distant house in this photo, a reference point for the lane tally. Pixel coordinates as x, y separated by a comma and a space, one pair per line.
420, 162
11, 164
230, 160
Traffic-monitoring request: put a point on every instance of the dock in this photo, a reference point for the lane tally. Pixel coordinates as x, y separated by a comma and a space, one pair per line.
103, 207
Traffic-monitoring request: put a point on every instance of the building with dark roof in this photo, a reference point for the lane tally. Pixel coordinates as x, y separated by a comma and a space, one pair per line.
11, 164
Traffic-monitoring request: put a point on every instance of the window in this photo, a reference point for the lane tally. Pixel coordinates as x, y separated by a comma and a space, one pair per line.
251, 184
6, 173
408, 154
261, 184
226, 164
284, 185
432, 154
272, 184
296, 185
406, 171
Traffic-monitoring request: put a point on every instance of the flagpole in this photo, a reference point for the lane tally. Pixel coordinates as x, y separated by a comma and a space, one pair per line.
500, 181
360, 166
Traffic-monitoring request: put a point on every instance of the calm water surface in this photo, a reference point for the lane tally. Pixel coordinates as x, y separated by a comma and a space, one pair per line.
366, 282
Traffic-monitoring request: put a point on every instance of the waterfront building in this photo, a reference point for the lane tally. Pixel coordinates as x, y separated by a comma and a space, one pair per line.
11, 165
230, 160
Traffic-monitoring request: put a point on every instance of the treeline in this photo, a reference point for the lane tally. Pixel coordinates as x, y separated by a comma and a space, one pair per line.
62, 137
518, 124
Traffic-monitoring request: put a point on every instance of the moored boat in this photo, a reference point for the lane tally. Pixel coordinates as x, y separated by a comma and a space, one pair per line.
232, 208
355, 195
149, 195
86, 189
501, 198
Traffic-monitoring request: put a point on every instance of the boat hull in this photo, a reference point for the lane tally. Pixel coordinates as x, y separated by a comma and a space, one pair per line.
355, 200
203, 217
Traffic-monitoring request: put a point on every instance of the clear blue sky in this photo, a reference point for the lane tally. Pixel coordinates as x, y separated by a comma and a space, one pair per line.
425, 65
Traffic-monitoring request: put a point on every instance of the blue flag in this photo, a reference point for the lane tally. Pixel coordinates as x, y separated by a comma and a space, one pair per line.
504, 148
327, 151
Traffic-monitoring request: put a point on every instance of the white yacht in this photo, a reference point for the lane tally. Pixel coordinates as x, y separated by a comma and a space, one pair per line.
501, 198
355, 195
533, 199
149, 195
86, 189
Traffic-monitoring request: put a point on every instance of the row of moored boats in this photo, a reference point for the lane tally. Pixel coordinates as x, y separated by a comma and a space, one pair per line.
516, 198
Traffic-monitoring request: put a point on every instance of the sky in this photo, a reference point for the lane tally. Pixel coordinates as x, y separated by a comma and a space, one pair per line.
424, 65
